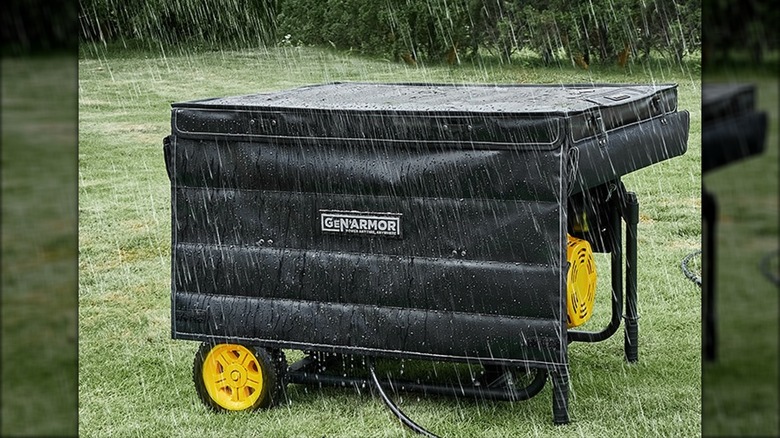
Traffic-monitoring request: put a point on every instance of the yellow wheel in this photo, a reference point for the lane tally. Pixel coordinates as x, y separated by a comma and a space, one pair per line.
234, 377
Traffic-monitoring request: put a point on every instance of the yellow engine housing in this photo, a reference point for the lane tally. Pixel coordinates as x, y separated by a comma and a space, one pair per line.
580, 281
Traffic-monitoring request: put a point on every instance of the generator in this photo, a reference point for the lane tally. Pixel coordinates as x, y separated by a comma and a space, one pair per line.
435, 222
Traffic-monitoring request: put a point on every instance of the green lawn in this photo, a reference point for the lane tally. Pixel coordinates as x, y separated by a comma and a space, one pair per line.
135, 381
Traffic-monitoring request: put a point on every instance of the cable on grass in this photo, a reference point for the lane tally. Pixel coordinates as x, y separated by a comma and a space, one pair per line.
766, 267
687, 271
408, 422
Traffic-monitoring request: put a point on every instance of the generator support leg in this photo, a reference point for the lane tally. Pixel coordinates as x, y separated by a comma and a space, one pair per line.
710, 216
616, 267
631, 215
560, 383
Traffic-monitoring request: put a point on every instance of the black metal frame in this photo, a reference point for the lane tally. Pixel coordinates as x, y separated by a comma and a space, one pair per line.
306, 372
625, 207
709, 225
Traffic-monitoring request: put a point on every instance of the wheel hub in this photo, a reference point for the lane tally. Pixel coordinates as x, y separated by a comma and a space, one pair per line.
232, 376
237, 375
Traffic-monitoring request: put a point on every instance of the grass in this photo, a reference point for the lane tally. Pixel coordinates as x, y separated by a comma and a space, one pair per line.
135, 381
39, 279
741, 388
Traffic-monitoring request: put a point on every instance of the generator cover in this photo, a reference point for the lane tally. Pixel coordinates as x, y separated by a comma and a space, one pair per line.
404, 220
732, 128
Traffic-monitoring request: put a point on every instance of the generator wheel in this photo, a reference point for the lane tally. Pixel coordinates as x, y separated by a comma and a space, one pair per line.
234, 377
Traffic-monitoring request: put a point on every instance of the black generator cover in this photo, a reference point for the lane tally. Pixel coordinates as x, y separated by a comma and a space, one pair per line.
732, 129
404, 220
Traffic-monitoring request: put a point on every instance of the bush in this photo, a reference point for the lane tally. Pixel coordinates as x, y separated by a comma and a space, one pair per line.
216, 22
436, 30
413, 30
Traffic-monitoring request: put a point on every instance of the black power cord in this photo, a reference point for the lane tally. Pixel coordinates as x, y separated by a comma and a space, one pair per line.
766, 267
395, 410
687, 271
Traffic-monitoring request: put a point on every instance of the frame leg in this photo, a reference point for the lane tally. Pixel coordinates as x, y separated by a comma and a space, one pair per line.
631, 339
560, 382
709, 329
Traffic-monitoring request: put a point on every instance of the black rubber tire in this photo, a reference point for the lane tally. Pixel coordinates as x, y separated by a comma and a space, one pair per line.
268, 367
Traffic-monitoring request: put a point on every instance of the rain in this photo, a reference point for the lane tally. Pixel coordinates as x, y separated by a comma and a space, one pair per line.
339, 218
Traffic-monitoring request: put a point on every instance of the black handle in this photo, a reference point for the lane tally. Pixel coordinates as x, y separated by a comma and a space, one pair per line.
167, 155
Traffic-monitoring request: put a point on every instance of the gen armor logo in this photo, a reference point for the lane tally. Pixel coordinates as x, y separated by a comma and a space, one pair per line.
358, 222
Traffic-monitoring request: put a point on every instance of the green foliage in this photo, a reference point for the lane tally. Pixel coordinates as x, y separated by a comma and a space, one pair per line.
333, 22
29, 26
216, 22
413, 30
431, 29
416, 29
733, 27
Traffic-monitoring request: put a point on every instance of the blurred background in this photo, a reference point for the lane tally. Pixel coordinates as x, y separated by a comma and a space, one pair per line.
740, 386
39, 218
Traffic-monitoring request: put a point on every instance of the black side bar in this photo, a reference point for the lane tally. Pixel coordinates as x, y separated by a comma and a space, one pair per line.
624, 206
304, 372
617, 283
